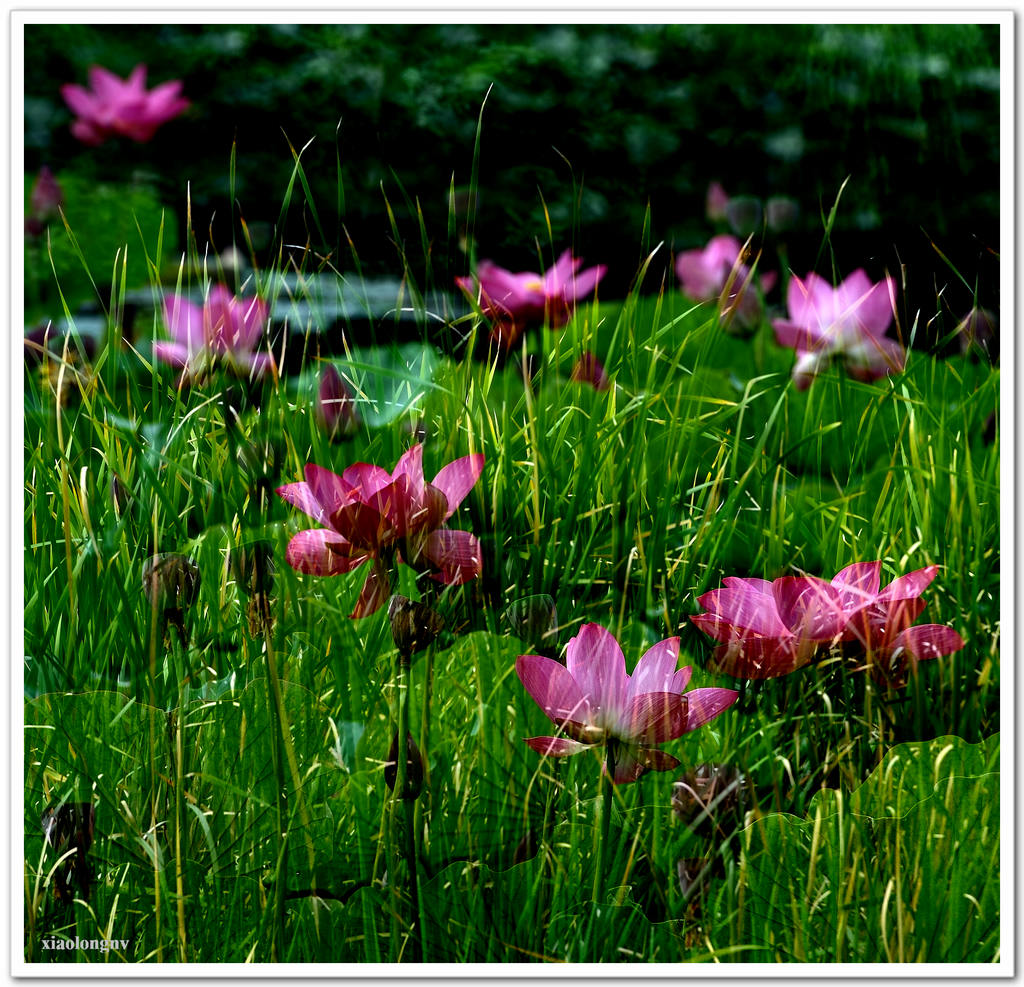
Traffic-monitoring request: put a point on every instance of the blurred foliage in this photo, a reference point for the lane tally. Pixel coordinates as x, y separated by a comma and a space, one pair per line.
629, 114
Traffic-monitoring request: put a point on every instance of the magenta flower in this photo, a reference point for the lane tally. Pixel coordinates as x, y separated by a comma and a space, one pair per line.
846, 323
594, 701
371, 515
516, 302
225, 330
115, 107
882, 622
767, 629
335, 406
716, 271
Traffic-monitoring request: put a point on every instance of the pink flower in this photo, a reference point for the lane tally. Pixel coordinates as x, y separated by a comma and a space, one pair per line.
767, 629
594, 701
115, 107
371, 515
516, 302
335, 407
718, 271
848, 323
589, 370
881, 621
226, 329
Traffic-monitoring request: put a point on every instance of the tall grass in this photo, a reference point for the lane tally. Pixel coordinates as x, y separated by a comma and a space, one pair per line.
241, 809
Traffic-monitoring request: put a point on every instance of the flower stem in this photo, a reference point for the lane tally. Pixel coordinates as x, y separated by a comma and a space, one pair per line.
607, 790
407, 806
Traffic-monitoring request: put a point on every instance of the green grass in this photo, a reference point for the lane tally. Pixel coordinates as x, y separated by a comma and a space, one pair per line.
700, 462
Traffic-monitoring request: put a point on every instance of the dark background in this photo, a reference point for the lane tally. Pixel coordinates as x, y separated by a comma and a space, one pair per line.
593, 122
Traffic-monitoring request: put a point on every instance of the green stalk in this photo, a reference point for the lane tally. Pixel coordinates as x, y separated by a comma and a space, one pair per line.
179, 781
607, 791
408, 806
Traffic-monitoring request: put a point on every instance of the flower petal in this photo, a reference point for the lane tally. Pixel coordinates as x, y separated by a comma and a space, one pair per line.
553, 689
809, 607
556, 746
456, 480
320, 552
456, 553
656, 670
595, 661
301, 496
374, 594
175, 354
652, 718
761, 658
703, 705
929, 641
631, 763
858, 584
910, 585
330, 491
184, 321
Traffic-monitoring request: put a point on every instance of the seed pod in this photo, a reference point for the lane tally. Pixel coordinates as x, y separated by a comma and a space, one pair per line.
711, 797
415, 768
171, 584
414, 626
533, 619
252, 567
71, 826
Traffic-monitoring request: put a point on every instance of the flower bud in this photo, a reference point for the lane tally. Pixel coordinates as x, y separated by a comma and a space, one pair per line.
414, 626
744, 214
415, 768
335, 405
781, 213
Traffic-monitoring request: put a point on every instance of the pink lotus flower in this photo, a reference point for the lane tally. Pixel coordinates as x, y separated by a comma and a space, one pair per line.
768, 629
594, 701
371, 515
589, 370
516, 302
335, 407
846, 323
225, 330
115, 107
716, 271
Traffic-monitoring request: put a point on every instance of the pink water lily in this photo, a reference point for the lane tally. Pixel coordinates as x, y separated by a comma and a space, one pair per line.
594, 701
371, 515
717, 270
115, 107
767, 629
847, 323
516, 302
225, 330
